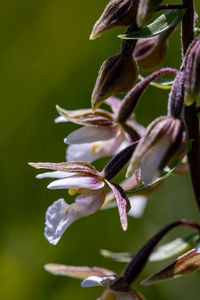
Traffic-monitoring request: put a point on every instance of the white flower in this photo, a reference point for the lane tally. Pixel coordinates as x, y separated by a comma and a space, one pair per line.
100, 136
95, 276
79, 178
164, 140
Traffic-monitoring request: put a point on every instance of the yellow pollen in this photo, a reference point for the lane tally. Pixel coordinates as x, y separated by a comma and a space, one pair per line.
96, 148
73, 192
67, 210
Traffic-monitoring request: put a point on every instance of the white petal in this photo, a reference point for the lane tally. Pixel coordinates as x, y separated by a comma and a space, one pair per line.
151, 161
138, 204
83, 152
90, 152
96, 281
114, 103
91, 134
77, 182
55, 174
57, 221
61, 119
60, 215
197, 248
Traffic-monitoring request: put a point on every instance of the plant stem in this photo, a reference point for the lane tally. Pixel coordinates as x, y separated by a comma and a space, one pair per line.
132, 98
170, 6
190, 112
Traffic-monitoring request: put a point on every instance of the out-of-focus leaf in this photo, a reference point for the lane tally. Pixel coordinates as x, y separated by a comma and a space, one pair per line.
175, 247
123, 257
160, 83
187, 263
161, 24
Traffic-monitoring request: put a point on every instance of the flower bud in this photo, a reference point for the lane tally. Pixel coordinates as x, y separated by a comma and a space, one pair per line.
150, 53
118, 74
192, 72
145, 9
164, 141
117, 13
176, 96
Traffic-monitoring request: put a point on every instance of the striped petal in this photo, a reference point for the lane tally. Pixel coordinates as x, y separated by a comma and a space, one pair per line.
122, 203
77, 182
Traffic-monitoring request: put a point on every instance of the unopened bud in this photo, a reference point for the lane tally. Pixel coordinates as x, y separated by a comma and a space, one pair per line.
176, 96
145, 9
117, 13
150, 53
164, 141
192, 72
118, 74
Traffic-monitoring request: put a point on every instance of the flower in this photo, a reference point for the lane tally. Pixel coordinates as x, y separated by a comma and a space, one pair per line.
101, 134
82, 178
96, 276
165, 140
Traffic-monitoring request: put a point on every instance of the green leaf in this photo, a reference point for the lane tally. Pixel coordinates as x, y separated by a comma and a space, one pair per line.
187, 263
164, 22
123, 257
175, 247
160, 83
166, 173
196, 32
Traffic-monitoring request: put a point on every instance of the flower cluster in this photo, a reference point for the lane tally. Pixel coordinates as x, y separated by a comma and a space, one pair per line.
149, 154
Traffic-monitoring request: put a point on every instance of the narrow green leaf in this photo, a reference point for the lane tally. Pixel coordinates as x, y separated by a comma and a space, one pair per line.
175, 247
165, 21
187, 263
166, 173
160, 83
123, 257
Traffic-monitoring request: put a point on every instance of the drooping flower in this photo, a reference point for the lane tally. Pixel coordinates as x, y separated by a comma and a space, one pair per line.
82, 178
96, 276
165, 140
100, 136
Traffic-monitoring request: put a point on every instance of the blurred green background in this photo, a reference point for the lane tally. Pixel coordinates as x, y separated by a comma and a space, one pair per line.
46, 59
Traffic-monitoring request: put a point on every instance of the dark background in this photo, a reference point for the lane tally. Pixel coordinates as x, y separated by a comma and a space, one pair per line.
46, 59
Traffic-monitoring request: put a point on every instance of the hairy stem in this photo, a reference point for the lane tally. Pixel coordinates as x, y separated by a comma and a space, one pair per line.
170, 6
132, 98
139, 261
190, 112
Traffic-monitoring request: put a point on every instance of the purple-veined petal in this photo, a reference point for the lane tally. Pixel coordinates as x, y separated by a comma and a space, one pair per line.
97, 281
76, 271
114, 103
122, 203
77, 182
60, 215
55, 174
138, 204
90, 152
88, 134
73, 167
